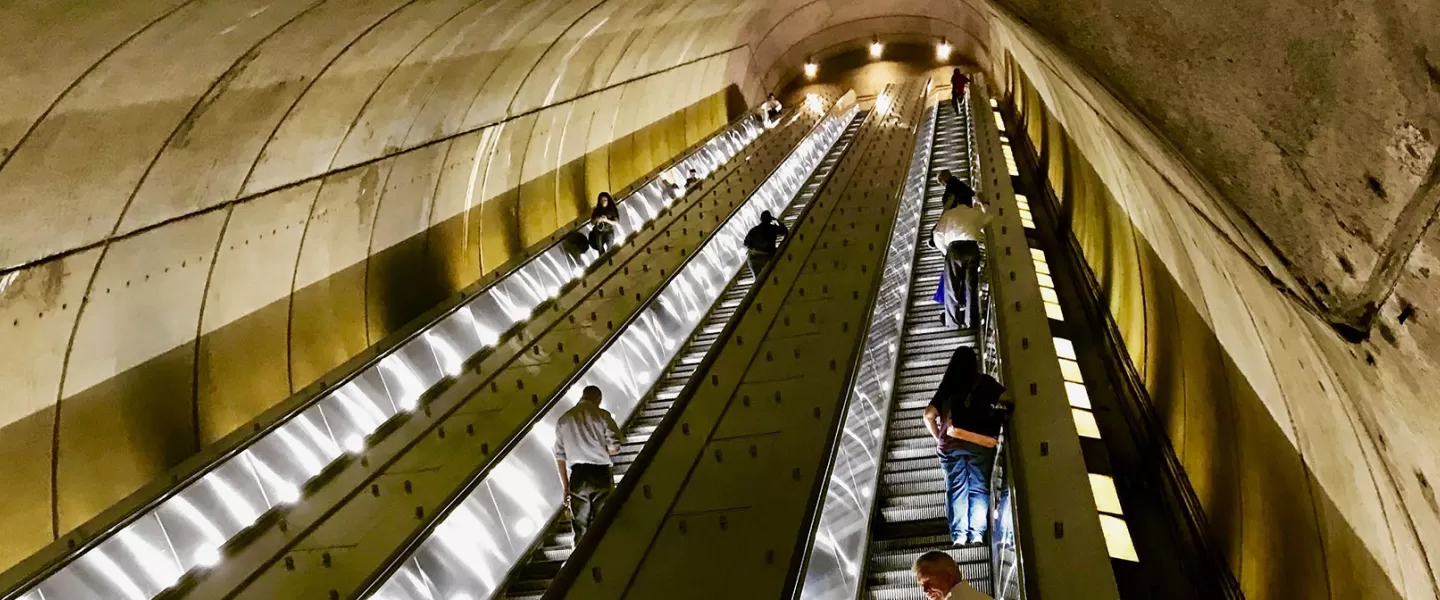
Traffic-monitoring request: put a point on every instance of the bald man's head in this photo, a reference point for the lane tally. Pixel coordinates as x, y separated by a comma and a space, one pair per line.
936, 572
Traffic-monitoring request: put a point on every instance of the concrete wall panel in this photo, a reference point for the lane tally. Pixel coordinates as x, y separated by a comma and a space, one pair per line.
243, 358
211, 153
327, 309
120, 145
306, 142
454, 229
543, 23
127, 414
400, 283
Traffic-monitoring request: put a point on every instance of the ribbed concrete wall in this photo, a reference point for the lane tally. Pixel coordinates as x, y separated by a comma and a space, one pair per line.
208, 204
1310, 454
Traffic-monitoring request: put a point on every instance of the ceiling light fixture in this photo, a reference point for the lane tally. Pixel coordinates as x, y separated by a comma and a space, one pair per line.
811, 69
876, 48
943, 50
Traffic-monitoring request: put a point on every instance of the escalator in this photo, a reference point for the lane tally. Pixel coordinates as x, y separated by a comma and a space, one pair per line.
532, 579
910, 517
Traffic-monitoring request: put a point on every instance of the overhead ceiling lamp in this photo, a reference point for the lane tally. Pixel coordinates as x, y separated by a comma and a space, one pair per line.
876, 48
943, 50
811, 69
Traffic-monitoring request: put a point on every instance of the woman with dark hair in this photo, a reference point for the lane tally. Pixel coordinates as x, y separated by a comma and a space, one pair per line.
965, 417
603, 222
958, 81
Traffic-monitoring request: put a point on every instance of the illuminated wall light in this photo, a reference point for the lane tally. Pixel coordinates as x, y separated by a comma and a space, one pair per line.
1117, 538
943, 50
1085, 423
121, 581
207, 556
1107, 499
811, 69
1077, 394
876, 49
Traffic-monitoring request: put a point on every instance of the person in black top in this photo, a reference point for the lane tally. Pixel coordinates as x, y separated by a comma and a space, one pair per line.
965, 418
692, 181
603, 222
957, 193
760, 242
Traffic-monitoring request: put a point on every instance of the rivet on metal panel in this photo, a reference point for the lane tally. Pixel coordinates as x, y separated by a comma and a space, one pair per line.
484, 448
832, 364
534, 399
1007, 251
769, 557
825, 245
334, 595
769, 357
662, 273
645, 490
627, 270
520, 384
812, 318
854, 294
375, 490
610, 325
409, 487
845, 326
719, 456
816, 412
440, 432
683, 527
284, 526
1012, 276
289, 563
419, 513
537, 349
1059, 529
685, 428
365, 462
724, 523
1017, 306
795, 474
802, 292
1034, 389
682, 252
745, 400
714, 379
1004, 229
754, 452
777, 396
637, 296
595, 574
592, 313
759, 307
1024, 343
325, 559
469, 429
1044, 448
622, 290
560, 347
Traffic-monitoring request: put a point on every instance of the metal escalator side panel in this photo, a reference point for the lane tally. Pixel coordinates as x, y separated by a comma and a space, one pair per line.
834, 568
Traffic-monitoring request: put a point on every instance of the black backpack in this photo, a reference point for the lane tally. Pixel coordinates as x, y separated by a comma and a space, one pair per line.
979, 409
757, 238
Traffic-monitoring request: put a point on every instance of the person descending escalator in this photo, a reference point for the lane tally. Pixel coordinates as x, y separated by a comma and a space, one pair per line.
692, 181
760, 242
604, 220
958, 234
939, 578
958, 83
964, 417
586, 437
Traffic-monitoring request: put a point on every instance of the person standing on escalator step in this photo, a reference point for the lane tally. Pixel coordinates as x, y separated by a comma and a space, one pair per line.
760, 242
586, 439
604, 220
958, 234
958, 84
964, 417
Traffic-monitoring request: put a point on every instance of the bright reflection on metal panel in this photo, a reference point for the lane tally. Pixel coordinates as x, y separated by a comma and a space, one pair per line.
523, 490
834, 568
187, 529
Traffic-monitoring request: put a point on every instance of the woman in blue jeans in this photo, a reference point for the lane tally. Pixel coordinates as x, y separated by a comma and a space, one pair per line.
965, 423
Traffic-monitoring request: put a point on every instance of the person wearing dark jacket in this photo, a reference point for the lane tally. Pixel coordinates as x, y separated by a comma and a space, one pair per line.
965, 416
603, 222
760, 242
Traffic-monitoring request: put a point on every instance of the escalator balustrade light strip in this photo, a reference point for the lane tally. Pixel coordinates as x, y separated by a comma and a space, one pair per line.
834, 568
186, 529
474, 546
1026, 218
999, 123
1112, 518
1047, 286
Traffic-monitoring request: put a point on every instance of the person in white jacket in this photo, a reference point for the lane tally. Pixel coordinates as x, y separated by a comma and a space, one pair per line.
958, 234
939, 578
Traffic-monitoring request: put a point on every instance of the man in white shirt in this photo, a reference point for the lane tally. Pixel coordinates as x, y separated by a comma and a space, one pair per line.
771, 110
939, 577
586, 437
958, 233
